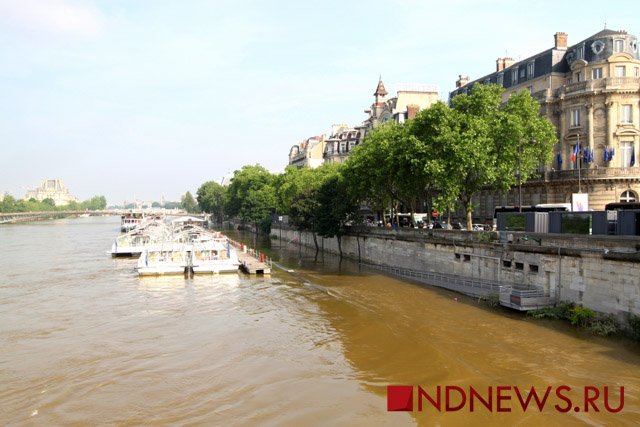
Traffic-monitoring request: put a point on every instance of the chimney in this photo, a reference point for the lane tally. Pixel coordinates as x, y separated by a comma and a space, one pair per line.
412, 110
462, 80
560, 40
502, 63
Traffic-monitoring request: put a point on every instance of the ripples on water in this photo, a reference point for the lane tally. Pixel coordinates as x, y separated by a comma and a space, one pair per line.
84, 340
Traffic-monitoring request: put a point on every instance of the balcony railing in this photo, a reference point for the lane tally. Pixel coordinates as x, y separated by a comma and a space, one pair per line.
608, 84
591, 173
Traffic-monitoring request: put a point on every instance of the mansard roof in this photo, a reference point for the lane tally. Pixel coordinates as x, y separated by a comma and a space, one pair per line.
552, 60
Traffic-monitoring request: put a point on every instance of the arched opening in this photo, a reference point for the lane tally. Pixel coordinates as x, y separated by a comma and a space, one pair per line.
628, 197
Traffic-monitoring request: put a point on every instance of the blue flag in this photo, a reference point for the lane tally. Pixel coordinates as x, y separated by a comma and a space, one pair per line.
559, 160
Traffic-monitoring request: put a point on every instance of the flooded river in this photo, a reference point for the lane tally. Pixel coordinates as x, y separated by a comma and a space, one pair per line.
84, 340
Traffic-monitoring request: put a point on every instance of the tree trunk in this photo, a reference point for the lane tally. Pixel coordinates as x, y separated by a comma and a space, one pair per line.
358, 240
468, 208
315, 242
339, 245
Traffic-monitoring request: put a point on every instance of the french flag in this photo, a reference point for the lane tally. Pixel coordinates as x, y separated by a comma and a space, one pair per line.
574, 155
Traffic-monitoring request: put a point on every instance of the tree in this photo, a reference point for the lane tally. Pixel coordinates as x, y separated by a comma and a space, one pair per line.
481, 142
211, 199
336, 207
369, 170
297, 195
251, 195
188, 203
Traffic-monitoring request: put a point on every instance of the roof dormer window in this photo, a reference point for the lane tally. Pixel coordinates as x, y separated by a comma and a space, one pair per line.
618, 45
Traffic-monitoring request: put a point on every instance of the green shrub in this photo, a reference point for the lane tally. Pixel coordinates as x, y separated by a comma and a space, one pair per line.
604, 326
545, 313
633, 322
561, 311
581, 316
492, 299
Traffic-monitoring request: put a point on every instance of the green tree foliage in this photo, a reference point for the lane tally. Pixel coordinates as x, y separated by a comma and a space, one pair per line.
211, 199
369, 170
188, 203
297, 192
251, 196
96, 203
481, 142
336, 207
10, 204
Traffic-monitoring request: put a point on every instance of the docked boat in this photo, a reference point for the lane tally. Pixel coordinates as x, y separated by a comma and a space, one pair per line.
130, 220
135, 241
214, 256
164, 259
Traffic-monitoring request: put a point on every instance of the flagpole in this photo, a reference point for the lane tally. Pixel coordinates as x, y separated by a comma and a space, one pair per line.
579, 164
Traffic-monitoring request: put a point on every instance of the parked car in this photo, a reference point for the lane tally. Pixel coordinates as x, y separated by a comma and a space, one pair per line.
457, 225
478, 227
442, 225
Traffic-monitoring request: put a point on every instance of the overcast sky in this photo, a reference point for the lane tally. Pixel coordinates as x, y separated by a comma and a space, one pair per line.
151, 98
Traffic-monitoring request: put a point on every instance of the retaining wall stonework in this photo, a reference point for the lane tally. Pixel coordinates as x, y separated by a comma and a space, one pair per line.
599, 272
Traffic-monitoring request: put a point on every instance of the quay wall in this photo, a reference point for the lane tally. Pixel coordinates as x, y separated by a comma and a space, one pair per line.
598, 272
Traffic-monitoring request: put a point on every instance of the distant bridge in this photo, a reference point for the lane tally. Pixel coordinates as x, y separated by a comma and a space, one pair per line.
7, 218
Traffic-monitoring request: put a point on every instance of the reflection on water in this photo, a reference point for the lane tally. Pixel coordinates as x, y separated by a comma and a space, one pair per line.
84, 340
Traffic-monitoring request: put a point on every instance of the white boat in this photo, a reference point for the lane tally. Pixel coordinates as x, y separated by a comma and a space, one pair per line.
214, 256
166, 258
130, 220
135, 241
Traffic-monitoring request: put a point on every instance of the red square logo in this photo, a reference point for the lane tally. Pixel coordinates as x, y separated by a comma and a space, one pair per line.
399, 398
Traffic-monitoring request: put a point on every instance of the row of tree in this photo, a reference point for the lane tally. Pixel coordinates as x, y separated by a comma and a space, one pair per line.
9, 204
443, 157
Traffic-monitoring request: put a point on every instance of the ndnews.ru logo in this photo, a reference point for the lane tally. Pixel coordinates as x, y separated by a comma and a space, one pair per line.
505, 398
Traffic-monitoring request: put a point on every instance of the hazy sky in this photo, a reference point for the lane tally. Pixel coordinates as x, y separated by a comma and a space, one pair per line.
151, 98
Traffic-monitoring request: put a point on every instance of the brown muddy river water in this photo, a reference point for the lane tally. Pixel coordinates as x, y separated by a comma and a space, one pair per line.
84, 341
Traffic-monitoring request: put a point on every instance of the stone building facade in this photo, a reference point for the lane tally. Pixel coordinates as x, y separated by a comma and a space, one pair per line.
410, 99
309, 153
590, 91
51, 189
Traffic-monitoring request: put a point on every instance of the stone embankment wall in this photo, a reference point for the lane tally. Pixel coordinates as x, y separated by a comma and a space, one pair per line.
599, 272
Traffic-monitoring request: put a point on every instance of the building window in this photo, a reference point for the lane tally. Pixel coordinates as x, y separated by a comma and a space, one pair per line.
580, 52
500, 79
351, 145
575, 117
596, 73
620, 71
519, 265
506, 263
522, 73
618, 45
626, 154
343, 147
533, 268
628, 197
626, 113
514, 76
636, 71
531, 68
578, 76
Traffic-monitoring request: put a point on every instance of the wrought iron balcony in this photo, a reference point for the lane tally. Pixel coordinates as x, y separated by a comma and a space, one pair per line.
591, 173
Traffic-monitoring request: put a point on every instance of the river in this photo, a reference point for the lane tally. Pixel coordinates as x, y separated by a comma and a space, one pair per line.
84, 340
